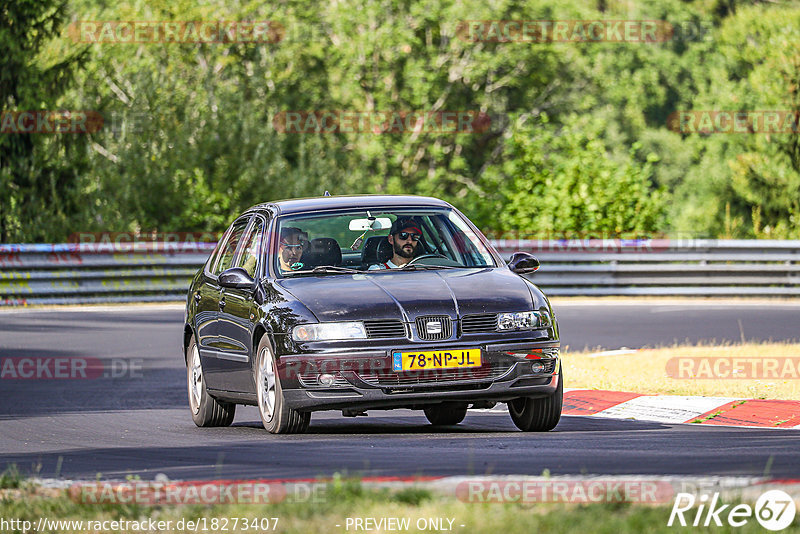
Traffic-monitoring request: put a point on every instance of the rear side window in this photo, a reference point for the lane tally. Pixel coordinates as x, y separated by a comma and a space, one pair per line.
226, 254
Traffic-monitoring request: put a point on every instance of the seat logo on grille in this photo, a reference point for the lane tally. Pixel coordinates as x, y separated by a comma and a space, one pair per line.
433, 327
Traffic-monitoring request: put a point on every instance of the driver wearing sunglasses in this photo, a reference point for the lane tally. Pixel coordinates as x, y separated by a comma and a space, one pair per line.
404, 237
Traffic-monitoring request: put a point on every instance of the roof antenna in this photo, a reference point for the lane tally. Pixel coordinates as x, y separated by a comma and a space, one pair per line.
327, 194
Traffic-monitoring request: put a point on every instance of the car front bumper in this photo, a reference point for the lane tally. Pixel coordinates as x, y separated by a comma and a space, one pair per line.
365, 380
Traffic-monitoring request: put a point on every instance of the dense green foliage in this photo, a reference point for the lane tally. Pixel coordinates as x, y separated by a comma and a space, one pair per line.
39, 174
578, 143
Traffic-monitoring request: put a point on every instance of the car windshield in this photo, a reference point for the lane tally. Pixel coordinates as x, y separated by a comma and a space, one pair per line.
359, 241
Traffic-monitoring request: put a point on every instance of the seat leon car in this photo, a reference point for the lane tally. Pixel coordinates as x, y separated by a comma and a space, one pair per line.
359, 303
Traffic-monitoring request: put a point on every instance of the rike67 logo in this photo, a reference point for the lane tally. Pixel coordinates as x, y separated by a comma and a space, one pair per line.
774, 510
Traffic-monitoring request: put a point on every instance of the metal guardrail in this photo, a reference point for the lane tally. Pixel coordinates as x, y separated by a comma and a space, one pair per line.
697, 267
86, 273
151, 272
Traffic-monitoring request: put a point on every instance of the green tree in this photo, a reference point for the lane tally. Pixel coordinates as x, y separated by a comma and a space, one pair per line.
189, 139
38, 173
563, 181
747, 185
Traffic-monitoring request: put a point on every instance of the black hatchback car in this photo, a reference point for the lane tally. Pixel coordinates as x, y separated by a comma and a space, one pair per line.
359, 303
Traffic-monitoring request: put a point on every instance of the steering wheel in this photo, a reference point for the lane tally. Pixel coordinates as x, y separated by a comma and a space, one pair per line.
434, 255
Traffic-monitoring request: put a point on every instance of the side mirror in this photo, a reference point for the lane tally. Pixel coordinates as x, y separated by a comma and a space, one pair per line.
235, 278
523, 263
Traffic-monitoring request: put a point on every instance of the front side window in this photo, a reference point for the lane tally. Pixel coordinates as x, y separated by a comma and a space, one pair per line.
228, 250
212, 258
251, 250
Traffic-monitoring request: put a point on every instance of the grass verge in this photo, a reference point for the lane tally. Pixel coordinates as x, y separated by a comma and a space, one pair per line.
423, 511
648, 371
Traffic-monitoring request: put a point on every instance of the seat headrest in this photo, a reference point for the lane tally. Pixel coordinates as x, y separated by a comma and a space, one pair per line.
322, 251
385, 251
369, 254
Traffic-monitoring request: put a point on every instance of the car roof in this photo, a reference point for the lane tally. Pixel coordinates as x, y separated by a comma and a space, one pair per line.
302, 205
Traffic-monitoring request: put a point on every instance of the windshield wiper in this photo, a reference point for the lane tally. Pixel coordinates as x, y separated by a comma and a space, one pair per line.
334, 268
425, 267
326, 269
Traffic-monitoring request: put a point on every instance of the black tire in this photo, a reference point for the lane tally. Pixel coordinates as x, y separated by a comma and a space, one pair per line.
446, 413
275, 415
206, 410
538, 414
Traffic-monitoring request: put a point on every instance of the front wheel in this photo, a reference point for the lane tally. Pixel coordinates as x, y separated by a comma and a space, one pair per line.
275, 415
206, 410
538, 414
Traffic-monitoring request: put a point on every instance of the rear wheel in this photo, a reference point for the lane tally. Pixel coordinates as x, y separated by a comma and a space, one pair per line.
538, 414
206, 410
446, 413
275, 415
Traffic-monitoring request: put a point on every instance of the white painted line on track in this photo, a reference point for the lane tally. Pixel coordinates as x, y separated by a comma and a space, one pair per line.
664, 409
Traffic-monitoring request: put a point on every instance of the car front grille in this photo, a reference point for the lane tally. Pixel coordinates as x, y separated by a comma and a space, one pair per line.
385, 328
484, 322
438, 376
394, 328
434, 327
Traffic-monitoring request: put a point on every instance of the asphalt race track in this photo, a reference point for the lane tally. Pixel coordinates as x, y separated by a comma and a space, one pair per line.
133, 417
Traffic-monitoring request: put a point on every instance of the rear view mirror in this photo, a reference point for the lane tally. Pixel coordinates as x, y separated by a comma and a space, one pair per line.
523, 263
373, 223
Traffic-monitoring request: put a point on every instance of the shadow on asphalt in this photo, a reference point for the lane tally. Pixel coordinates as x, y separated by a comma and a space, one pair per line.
482, 445
148, 389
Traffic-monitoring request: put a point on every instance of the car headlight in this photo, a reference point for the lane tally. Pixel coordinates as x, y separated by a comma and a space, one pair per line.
329, 331
523, 320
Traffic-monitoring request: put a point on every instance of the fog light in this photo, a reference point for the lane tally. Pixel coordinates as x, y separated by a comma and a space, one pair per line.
326, 380
537, 367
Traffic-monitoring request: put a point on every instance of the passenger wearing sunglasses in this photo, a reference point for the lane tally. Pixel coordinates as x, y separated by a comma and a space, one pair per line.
404, 237
290, 250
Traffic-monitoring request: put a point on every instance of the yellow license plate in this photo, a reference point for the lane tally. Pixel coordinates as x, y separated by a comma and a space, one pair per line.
436, 359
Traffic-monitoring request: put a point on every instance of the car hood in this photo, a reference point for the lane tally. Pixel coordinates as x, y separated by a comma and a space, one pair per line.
409, 294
